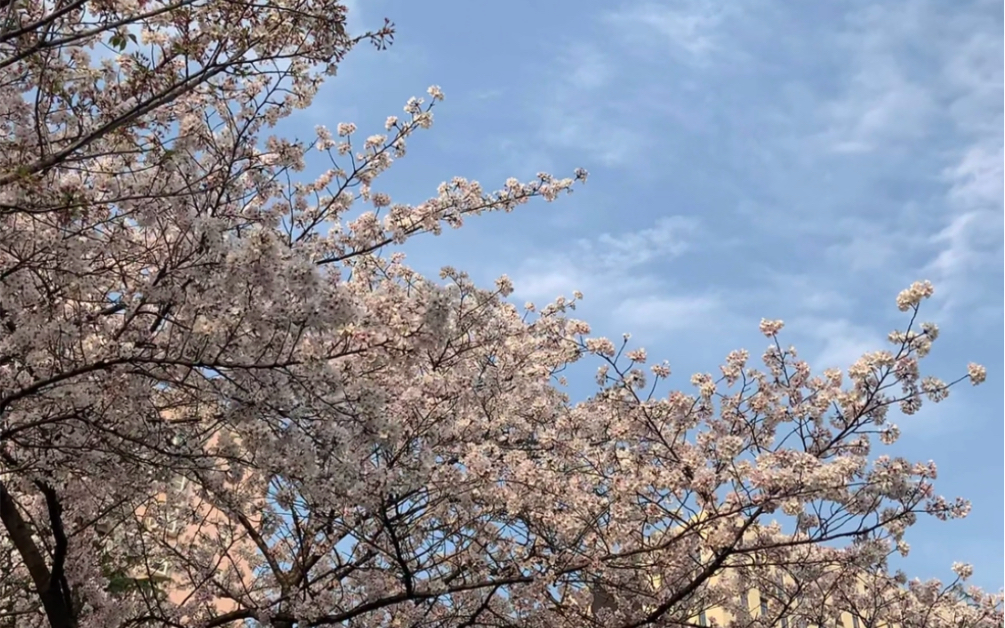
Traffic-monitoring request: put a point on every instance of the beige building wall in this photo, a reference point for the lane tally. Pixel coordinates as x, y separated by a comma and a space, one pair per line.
757, 605
178, 520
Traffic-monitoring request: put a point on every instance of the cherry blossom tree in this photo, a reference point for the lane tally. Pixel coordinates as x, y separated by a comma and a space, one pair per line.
815, 585
225, 398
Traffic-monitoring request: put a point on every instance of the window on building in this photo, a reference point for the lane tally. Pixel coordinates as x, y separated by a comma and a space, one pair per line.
179, 483
160, 568
854, 621
165, 518
781, 597
764, 604
702, 619
172, 523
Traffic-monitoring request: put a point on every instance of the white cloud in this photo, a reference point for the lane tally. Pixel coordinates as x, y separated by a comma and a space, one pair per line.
809, 294
574, 114
977, 179
938, 113
839, 341
972, 78
666, 239
868, 245
970, 240
608, 265
602, 103
960, 253
586, 131
672, 313
543, 279
689, 29
882, 109
882, 104
895, 96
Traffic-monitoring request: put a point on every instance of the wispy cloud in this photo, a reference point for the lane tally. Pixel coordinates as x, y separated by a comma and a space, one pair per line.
577, 112
971, 239
930, 121
689, 30
594, 107
608, 266
882, 104
883, 108
666, 239
839, 341
665, 313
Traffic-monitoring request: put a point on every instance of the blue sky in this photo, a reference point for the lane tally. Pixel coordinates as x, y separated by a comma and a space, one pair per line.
803, 161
